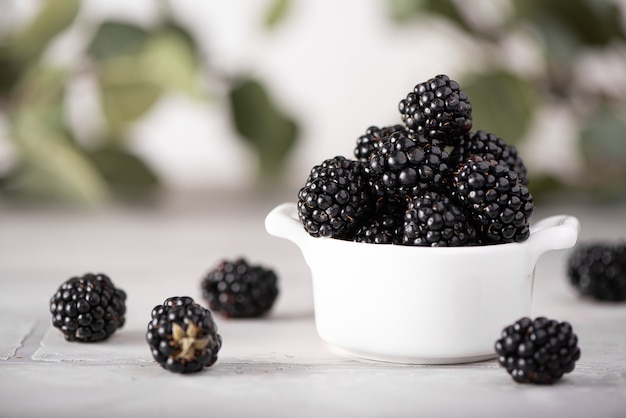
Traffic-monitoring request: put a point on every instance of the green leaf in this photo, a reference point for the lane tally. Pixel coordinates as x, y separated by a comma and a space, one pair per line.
42, 89
449, 10
10, 70
603, 147
123, 170
567, 26
170, 61
116, 38
257, 119
182, 32
403, 11
51, 166
125, 93
133, 77
275, 147
546, 187
276, 13
502, 103
53, 17
125, 103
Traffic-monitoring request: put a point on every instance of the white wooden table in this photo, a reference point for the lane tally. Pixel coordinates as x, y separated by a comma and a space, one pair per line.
271, 367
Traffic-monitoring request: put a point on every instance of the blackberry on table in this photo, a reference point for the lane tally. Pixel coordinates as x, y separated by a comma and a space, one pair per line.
183, 336
598, 270
372, 139
407, 164
88, 308
538, 351
493, 196
437, 109
488, 146
238, 289
335, 198
433, 220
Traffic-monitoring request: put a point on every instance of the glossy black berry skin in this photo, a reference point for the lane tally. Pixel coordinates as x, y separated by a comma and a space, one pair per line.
335, 199
372, 139
238, 289
437, 109
488, 146
493, 196
88, 308
183, 336
434, 220
407, 165
598, 270
538, 351
385, 226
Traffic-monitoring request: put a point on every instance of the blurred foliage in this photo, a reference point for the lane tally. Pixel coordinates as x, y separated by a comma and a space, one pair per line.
133, 66
506, 101
277, 13
271, 133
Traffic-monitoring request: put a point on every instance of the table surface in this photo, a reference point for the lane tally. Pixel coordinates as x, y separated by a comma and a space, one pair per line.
273, 366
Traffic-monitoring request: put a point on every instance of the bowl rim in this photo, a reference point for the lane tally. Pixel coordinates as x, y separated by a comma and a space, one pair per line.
553, 232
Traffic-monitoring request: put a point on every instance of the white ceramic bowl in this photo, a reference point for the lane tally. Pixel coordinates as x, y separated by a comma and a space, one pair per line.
420, 305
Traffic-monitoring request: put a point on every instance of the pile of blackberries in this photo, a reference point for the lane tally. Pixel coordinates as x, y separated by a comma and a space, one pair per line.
429, 181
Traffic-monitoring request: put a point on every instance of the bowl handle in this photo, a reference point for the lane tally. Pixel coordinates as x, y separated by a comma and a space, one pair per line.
553, 233
283, 222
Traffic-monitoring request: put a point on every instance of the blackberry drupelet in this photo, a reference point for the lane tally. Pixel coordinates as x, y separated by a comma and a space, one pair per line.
88, 308
494, 198
183, 336
237, 289
598, 270
433, 220
407, 164
335, 199
385, 226
372, 139
538, 351
489, 146
437, 109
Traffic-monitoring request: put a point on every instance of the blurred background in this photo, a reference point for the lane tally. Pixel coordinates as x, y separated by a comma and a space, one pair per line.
105, 101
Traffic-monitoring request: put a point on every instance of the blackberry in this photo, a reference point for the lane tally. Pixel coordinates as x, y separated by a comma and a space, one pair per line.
433, 220
407, 164
183, 336
372, 139
437, 109
385, 226
335, 198
538, 351
489, 146
238, 289
494, 197
598, 270
88, 308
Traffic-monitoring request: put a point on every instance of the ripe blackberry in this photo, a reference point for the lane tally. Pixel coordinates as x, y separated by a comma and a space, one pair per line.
182, 336
372, 139
433, 220
385, 226
538, 351
88, 308
335, 198
238, 289
488, 146
437, 109
407, 164
493, 196
598, 270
